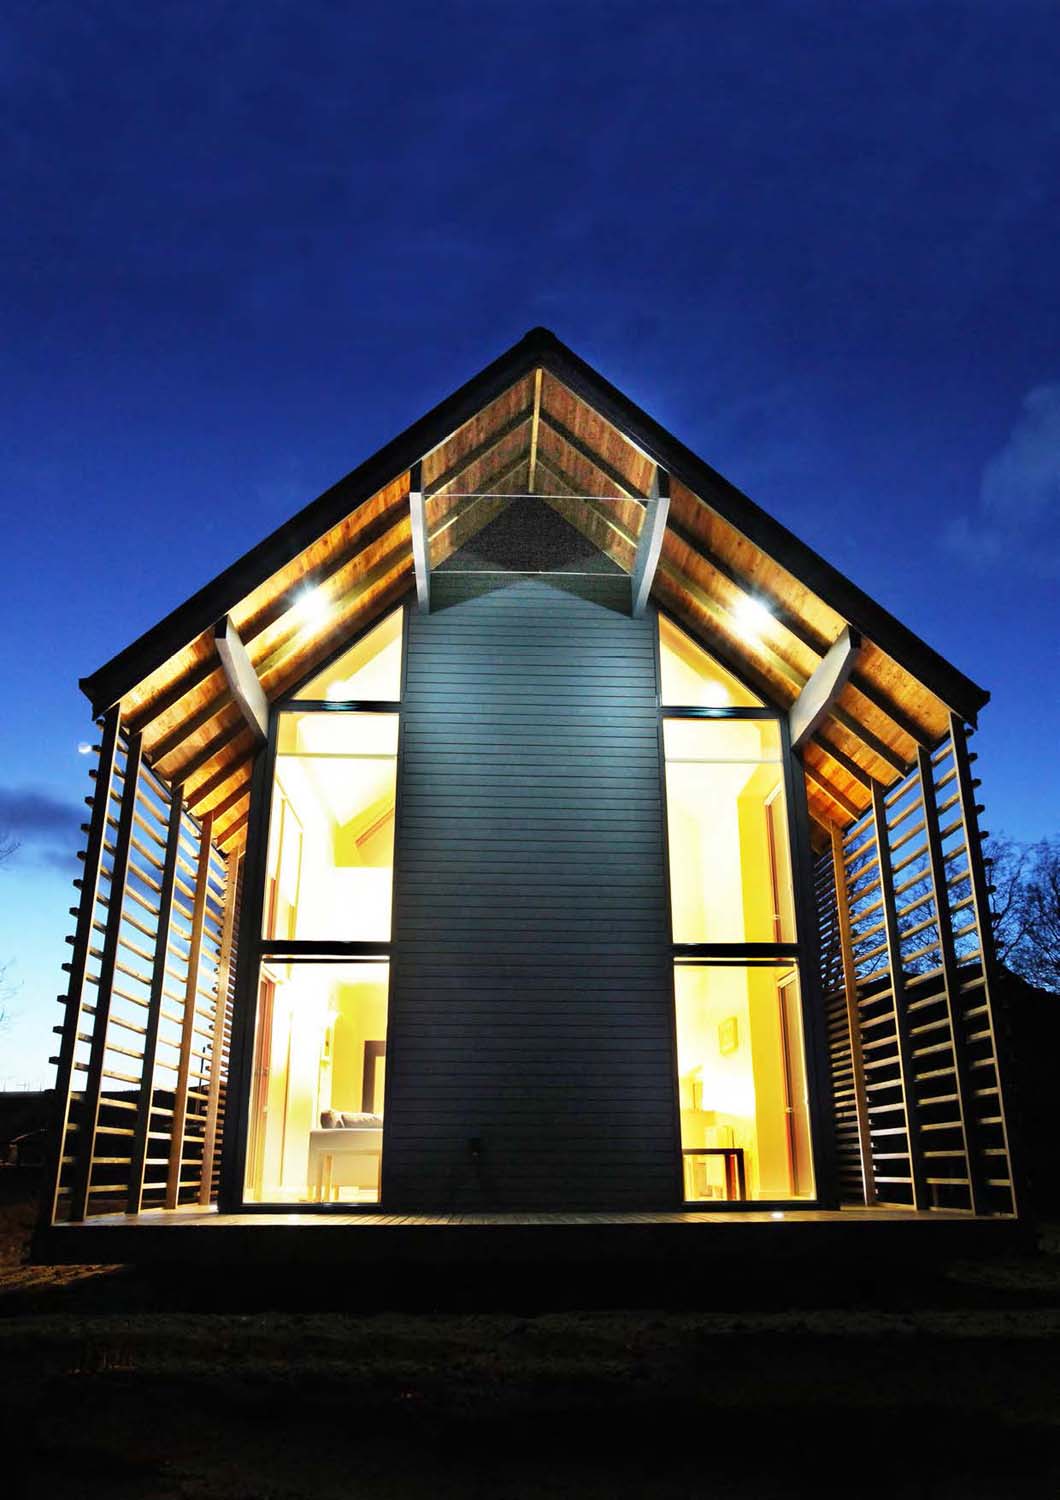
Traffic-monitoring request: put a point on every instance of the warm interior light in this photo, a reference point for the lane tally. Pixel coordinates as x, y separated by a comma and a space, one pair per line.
750, 616
691, 678
312, 606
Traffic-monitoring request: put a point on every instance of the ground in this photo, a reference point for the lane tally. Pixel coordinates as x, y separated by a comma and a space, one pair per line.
114, 1384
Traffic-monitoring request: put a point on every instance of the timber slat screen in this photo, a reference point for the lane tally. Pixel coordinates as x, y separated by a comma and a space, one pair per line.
907, 966
143, 1062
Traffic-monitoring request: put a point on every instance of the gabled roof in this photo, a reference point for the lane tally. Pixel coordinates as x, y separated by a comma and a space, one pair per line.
538, 421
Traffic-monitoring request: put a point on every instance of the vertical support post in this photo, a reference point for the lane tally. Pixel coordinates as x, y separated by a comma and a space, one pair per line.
981, 907
245, 994
115, 911
187, 1030
850, 990
950, 979
75, 1000
421, 547
213, 1091
815, 1042
649, 543
142, 1133
906, 1062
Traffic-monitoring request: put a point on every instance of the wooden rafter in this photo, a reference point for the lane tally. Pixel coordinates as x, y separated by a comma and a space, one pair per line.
840, 799
482, 450
535, 426
286, 603
799, 630
612, 475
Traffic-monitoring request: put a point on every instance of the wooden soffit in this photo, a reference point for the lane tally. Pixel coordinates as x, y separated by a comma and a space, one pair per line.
537, 421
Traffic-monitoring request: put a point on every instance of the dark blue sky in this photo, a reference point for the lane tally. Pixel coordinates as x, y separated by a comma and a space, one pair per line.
244, 244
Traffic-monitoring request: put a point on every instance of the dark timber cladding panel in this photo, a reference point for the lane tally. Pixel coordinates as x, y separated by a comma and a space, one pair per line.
531, 997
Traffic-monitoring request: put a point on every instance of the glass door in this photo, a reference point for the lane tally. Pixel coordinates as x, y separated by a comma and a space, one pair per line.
317, 1090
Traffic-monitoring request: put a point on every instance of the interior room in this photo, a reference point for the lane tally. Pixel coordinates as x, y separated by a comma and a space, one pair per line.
742, 1083
316, 1106
730, 864
318, 1085
331, 834
741, 1068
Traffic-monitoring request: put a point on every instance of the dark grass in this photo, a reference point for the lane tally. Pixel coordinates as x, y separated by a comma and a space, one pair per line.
120, 1383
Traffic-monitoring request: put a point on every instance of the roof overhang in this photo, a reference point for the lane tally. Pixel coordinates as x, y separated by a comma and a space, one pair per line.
541, 421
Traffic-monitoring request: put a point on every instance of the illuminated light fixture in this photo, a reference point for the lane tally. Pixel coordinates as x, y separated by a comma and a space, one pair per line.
84, 748
776, 1215
750, 617
312, 606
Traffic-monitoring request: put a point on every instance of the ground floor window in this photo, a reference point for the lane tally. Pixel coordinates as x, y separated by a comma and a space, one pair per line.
741, 1069
316, 1106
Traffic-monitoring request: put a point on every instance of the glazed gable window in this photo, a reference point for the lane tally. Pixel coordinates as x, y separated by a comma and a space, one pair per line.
741, 1070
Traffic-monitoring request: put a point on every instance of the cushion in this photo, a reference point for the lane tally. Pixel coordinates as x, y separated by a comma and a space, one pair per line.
360, 1121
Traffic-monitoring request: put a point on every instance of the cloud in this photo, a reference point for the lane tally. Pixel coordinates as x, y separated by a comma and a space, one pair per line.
41, 825
1017, 518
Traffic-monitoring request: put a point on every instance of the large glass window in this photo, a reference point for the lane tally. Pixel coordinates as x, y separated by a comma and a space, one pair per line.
317, 1088
730, 866
692, 679
369, 670
742, 1082
741, 1071
316, 1106
331, 836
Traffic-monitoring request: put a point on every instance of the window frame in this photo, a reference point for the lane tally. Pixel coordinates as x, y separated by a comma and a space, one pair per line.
255, 950
799, 955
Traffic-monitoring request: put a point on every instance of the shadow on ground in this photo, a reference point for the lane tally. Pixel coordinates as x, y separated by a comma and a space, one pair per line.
811, 1381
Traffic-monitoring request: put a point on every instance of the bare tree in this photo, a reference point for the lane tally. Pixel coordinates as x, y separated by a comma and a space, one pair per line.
1007, 861
1025, 908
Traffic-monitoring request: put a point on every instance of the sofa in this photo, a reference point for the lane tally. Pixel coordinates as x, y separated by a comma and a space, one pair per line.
345, 1152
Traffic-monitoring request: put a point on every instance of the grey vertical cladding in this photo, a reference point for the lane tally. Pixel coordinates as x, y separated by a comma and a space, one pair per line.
530, 1033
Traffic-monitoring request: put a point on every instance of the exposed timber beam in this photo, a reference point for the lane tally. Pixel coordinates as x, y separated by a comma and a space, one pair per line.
832, 792
242, 679
808, 637
535, 424
842, 759
483, 450
599, 463
649, 543
823, 687
421, 550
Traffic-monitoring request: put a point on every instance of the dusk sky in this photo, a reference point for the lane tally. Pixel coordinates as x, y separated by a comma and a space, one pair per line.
247, 244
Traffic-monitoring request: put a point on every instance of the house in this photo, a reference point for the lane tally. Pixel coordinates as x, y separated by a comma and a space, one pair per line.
531, 830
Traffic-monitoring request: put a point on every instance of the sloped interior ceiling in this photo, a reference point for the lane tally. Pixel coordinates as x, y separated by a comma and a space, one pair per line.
536, 438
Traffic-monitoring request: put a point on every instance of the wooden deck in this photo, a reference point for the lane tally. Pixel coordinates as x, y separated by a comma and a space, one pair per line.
203, 1235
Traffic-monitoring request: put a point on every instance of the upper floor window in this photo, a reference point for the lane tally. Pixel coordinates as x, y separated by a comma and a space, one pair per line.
689, 678
730, 866
369, 671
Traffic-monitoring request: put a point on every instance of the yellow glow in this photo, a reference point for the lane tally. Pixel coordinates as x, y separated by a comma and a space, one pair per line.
742, 1081
331, 839
691, 678
730, 868
319, 1048
312, 606
370, 670
750, 617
